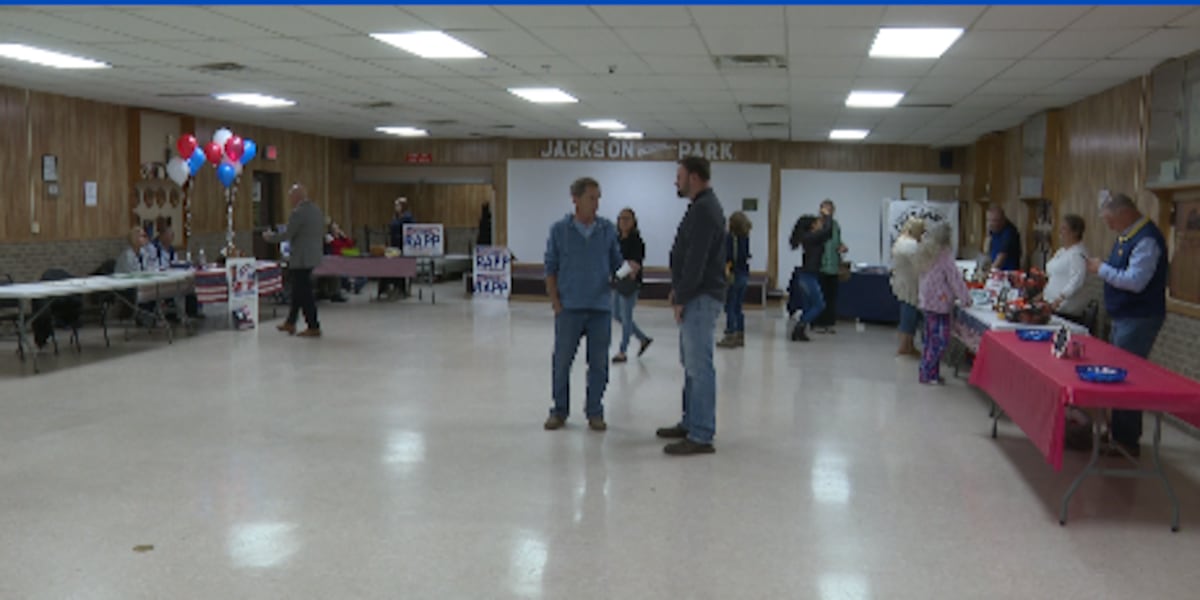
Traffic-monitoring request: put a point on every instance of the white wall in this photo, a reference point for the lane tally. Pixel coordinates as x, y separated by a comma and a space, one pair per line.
858, 196
538, 195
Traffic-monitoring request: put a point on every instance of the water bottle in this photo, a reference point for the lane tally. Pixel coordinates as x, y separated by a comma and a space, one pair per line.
203, 262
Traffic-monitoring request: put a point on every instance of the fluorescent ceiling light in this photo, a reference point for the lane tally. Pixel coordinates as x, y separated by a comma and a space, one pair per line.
912, 42
255, 100
848, 134
605, 124
429, 44
403, 131
48, 58
873, 99
625, 135
544, 95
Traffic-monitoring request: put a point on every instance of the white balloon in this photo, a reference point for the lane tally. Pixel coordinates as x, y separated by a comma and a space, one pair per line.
178, 170
237, 167
221, 136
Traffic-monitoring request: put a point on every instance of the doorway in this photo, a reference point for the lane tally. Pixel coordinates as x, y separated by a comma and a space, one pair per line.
265, 198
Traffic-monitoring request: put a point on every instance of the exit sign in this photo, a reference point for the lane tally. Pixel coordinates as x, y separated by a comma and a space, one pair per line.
418, 157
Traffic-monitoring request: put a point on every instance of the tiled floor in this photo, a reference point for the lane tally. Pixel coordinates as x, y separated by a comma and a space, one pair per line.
402, 456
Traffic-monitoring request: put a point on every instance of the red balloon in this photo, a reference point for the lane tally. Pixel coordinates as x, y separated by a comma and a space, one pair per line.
235, 147
186, 145
212, 151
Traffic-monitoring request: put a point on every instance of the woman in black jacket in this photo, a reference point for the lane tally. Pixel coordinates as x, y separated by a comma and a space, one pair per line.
625, 295
811, 233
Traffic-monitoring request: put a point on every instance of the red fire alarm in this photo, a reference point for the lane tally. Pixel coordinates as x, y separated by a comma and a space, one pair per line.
272, 153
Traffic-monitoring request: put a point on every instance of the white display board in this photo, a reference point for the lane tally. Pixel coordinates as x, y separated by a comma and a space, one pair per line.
898, 212
492, 272
243, 292
539, 195
857, 196
424, 239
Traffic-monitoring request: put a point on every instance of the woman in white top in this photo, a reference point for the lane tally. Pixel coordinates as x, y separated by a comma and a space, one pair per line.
906, 281
1067, 270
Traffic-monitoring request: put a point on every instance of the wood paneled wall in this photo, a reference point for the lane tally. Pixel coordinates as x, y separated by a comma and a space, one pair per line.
452, 205
90, 140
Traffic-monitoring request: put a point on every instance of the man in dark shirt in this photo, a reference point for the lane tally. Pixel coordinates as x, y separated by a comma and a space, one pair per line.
394, 287
697, 295
1004, 249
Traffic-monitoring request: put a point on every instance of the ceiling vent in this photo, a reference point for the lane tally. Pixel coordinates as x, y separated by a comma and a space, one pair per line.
220, 67
749, 62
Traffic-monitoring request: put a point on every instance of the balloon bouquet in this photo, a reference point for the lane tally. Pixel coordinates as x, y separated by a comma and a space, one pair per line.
227, 153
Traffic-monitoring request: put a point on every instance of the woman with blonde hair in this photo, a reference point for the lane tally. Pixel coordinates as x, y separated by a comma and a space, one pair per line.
130, 259
906, 281
941, 285
737, 274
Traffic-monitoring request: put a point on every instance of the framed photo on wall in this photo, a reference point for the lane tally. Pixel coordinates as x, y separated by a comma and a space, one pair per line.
1185, 263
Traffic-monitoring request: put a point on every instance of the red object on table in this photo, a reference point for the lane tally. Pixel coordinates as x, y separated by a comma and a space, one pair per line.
1034, 388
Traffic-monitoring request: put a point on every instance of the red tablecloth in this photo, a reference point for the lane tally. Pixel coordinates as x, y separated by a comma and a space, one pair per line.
1034, 388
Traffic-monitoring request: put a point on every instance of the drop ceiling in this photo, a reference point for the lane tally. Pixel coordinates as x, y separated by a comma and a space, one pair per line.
654, 68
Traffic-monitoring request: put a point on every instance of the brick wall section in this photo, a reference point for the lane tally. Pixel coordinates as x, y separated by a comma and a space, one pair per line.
25, 261
1178, 345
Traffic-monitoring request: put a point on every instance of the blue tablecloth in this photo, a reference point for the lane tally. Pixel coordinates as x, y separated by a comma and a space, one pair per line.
868, 296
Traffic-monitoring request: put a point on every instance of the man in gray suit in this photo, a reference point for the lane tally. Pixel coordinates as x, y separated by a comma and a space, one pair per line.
306, 232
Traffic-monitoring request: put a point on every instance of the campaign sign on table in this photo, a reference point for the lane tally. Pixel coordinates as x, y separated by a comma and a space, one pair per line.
493, 271
424, 239
243, 292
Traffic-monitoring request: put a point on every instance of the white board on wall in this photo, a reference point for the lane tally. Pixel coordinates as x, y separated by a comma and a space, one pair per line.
539, 195
858, 196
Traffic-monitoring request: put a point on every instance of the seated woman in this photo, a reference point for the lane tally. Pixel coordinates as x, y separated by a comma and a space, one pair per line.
1067, 270
132, 260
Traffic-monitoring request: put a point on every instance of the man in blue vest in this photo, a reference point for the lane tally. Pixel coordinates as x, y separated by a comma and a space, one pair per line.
1135, 296
1004, 248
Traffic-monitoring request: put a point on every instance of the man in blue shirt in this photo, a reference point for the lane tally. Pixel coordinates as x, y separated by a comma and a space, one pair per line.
582, 255
1135, 296
1004, 249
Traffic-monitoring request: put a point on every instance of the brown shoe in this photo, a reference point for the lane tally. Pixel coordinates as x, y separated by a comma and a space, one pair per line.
554, 422
310, 332
671, 432
597, 424
288, 328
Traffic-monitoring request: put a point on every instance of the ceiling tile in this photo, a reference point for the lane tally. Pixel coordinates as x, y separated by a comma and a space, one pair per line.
414, 67
504, 42
1163, 44
664, 41
838, 85
930, 16
283, 20
682, 65
1087, 44
874, 67
551, 16
1013, 86
807, 43
948, 85
369, 19
1078, 87
1045, 68
970, 67
1125, 17
1117, 69
59, 27
286, 49
580, 42
612, 64
1048, 18
845, 67
824, 17
461, 17
741, 16
550, 65
728, 41
997, 44
644, 16
1191, 19
984, 100
130, 25
889, 84
356, 46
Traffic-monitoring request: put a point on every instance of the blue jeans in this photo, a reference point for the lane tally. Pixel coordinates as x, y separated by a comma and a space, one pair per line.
569, 327
804, 294
1135, 336
735, 319
623, 313
909, 317
699, 374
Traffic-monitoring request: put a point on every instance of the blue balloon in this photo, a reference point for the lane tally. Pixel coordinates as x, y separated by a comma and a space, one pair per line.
226, 174
196, 161
249, 149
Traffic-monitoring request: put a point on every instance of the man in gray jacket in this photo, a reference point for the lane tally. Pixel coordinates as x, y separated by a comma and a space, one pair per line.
306, 232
